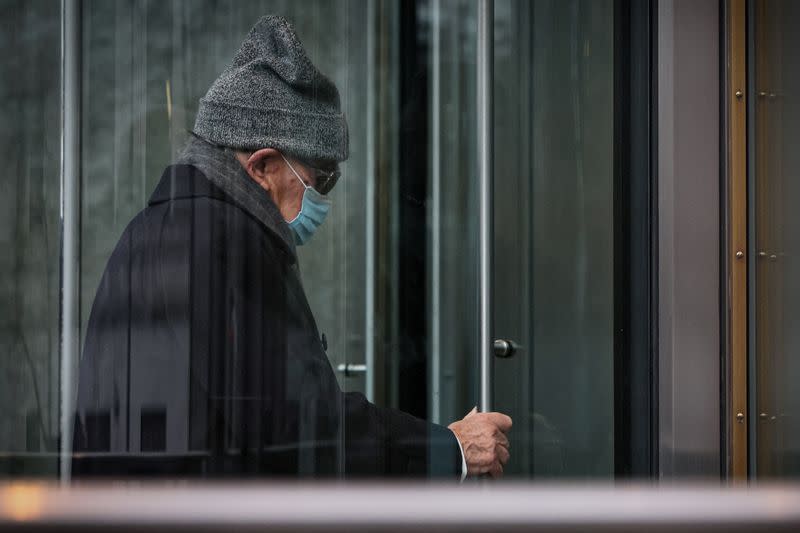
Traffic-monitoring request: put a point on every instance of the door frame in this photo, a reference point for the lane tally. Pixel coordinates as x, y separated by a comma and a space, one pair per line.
635, 240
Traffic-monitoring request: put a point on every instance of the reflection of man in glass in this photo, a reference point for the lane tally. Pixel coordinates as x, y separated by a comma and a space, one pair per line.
201, 345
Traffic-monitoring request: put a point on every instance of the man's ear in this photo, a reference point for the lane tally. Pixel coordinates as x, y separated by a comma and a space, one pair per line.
263, 166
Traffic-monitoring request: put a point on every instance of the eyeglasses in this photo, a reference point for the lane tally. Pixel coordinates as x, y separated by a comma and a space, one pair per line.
324, 179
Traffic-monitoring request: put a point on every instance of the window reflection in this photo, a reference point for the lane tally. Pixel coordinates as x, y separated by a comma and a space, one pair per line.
200, 342
30, 237
166, 385
178, 290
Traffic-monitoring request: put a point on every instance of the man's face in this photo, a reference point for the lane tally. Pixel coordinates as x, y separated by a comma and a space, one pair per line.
320, 177
292, 188
272, 172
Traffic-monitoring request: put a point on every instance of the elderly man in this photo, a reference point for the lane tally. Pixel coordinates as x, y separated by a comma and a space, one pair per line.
201, 345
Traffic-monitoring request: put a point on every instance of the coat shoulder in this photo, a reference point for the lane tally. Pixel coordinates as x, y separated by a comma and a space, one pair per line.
216, 226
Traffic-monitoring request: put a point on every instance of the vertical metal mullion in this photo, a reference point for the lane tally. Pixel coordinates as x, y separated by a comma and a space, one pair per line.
737, 98
391, 67
70, 220
435, 269
485, 117
371, 250
750, 238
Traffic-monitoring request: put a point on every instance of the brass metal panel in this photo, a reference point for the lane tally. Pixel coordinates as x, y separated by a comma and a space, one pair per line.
736, 97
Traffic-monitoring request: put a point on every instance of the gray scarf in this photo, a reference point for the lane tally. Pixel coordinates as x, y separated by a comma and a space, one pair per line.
220, 166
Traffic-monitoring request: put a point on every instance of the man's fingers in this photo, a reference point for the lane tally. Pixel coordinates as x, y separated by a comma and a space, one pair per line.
503, 422
484, 441
496, 471
503, 455
502, 440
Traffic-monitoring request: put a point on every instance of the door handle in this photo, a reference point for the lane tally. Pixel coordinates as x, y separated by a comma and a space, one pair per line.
351, 369
504, 348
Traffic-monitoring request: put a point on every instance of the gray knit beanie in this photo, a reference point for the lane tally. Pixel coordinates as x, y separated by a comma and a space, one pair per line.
273, 96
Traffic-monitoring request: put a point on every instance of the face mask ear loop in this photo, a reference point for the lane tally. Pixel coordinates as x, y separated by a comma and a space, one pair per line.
296, 175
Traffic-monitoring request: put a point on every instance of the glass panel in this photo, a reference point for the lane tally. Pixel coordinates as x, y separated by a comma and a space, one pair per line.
554, 129
187, 366
777, 238
145, 67
453, 196
30, 235
553, 235
143, 78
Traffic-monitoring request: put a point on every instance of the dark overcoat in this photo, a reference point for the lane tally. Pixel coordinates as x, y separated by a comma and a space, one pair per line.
202, 357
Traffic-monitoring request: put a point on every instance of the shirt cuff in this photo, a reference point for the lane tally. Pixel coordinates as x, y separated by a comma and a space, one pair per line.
463, 458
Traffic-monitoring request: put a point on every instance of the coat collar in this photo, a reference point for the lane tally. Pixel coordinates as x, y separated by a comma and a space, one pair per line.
220, 166
183, 181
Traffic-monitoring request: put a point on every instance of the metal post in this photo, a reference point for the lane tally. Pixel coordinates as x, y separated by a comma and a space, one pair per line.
371, 252
70, 194
435, 216
750, 239
485, 68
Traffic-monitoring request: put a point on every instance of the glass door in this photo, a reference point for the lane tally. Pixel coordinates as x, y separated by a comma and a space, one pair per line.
554, 236
553, 250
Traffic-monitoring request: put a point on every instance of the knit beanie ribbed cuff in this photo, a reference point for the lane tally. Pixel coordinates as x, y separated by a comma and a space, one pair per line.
306, 136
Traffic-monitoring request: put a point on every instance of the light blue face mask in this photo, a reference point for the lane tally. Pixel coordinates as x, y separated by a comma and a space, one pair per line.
313, 211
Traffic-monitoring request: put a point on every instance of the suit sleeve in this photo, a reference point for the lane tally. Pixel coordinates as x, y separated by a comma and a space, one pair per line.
394, 443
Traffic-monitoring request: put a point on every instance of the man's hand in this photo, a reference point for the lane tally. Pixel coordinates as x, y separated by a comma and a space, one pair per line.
483, 438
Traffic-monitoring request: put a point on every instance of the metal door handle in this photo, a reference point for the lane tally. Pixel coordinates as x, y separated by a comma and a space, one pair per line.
351, 369
504, 348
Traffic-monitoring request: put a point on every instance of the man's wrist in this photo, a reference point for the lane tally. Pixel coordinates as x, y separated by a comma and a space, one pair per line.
463, 457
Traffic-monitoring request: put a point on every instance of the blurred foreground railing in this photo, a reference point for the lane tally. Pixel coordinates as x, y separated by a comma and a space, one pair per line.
405, 507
